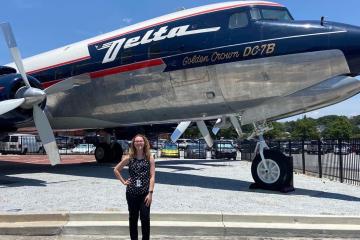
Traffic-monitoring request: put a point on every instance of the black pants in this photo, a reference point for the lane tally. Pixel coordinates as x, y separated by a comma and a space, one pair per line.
136, 204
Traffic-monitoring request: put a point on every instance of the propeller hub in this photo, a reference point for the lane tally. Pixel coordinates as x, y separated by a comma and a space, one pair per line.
32, 96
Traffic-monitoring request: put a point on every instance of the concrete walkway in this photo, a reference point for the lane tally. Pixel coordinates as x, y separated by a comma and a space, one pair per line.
182, 224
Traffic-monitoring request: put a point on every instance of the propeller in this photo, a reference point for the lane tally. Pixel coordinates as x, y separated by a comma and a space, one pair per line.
29, 97
8, 105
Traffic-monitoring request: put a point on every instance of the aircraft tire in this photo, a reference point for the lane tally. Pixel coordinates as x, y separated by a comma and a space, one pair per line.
279, 174
116, 152
102, 153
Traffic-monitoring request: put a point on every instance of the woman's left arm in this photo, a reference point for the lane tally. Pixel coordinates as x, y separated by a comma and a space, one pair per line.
148, 198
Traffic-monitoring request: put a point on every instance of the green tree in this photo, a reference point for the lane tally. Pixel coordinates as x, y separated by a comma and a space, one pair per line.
355, 122
305, 129
289, 126
192, 132
277, 132
227, 133
327, 120
339, 128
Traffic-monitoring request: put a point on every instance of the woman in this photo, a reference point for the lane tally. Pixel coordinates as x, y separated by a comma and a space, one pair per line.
139, 185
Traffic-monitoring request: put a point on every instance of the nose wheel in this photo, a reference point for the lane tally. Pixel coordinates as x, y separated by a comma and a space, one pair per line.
270, 169
274, 173
270, 174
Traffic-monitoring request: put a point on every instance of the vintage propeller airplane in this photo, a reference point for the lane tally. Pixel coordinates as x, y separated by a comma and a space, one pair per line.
236, 62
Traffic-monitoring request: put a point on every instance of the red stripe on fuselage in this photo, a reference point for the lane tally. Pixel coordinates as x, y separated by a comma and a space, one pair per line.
187, 16
59, 65
127, 68
115, 70
50, 83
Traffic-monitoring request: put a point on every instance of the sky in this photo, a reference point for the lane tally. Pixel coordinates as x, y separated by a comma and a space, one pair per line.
42, 25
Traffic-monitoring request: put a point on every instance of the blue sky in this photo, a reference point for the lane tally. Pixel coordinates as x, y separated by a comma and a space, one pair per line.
41, 25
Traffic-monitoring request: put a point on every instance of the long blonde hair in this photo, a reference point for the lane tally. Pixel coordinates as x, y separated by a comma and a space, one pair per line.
146, 149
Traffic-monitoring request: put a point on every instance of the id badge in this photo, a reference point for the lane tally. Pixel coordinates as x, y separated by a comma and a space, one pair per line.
138, 183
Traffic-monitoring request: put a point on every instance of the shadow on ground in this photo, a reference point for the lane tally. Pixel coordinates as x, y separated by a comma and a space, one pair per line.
7, 180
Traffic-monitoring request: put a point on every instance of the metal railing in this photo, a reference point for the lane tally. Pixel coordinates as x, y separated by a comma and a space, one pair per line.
338, 160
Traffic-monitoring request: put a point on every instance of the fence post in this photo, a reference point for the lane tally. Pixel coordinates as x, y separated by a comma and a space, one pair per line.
319, 158
66, 145
157, 146
21, 144
341, 161
279, 146
290, 147
303, 155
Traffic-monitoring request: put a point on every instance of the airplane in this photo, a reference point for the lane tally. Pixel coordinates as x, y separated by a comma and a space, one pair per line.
240, 62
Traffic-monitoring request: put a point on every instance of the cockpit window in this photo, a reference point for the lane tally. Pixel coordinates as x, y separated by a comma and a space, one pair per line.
238, 20
279, 14
275, 14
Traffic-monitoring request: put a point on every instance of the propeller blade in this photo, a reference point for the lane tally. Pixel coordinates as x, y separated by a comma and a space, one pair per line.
60, 86
8, 105
205, 133
15, 53
236, 124
180, 129
46, 135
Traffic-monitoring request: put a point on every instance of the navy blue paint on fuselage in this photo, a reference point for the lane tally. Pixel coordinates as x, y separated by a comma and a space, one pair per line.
230, 43
11, 83
187, 46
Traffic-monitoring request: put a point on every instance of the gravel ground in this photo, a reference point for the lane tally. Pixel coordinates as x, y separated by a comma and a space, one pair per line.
152, 237
181, 186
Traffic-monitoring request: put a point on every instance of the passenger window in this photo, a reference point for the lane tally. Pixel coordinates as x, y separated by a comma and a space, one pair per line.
126, 56
255, 14
238, 20
155, 50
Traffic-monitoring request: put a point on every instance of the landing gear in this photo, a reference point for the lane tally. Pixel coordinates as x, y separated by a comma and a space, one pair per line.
108, 153
273, 172
270, 169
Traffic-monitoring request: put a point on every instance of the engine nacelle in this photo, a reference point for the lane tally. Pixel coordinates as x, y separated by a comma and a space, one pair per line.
10, 83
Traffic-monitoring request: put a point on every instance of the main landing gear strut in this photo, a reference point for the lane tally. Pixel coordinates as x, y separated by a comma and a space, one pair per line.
109, 151
270, 169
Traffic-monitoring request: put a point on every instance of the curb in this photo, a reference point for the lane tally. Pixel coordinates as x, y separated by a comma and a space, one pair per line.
182, 224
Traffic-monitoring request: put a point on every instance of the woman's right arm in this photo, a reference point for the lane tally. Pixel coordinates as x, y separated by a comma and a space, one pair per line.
118, 168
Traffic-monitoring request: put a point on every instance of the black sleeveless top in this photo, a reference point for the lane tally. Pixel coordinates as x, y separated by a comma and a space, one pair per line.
139, 174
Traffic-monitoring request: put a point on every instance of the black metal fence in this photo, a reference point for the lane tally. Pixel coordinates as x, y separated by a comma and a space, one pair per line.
337, 160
